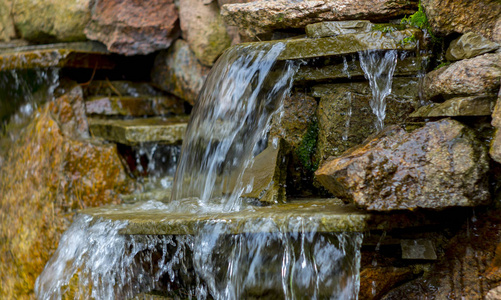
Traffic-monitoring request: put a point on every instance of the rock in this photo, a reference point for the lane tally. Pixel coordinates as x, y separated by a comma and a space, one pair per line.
178, 71
377, 281
128, 27
482, 105
203, 29
345, 118
7, 30
462, 16
474, 76
223, 2
437, 166
418, 249
134, 106
469, 45
494, 294
265, 179
135, 131
52, 20
325, 29
120, 88
495, 150
49, 174
264, 16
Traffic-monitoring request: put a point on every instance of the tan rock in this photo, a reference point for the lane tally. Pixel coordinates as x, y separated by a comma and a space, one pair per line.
495, 150
7, 31
469, 45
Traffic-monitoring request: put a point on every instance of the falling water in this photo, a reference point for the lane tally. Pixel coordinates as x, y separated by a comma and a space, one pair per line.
291, 261
378, 68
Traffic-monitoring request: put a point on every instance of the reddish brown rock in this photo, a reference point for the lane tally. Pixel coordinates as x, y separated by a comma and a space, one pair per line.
377, 281
479, 16
263, 16
474, 76
132, 27
439, 165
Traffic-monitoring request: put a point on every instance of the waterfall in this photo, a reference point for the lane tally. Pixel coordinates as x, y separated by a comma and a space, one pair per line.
378, 68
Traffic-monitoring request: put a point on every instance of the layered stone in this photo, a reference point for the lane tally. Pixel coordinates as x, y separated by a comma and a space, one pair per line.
325, 29
263, 16
131, 28
469, 45
120, 88
482, 105
437, 166
134, 106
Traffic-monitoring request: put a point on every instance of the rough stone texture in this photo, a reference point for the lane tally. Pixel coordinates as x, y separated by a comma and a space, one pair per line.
494, 294
50, 20
262, 16
178, 71
495, 150
120, 88
478, 75
469, 45
377, 281
7, 31
204, 30
134, 106
418, 249
346, 119
439, 165
479, 16
482, 105
131, 27
48, 174
325, 29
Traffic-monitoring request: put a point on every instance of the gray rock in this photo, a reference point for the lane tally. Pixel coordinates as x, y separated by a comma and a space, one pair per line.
469, 45
120, 88
482, 105
418, 249
178, 71
495, 150
203, 29
130, 28
263, 16
437, 166
474, 76
325, 29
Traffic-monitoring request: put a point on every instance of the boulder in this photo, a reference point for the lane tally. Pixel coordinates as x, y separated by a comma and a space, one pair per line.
495, 150
7, 30
345, 118
462, 16
437, 166
474, 76
263, 16
203, 29
130, 27
178, 71
469, 45
51, 20
481, 105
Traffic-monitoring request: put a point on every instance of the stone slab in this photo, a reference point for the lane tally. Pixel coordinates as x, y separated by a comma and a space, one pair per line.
134, 106
321, 215
135, 131
418, 249
460, 106
325, 29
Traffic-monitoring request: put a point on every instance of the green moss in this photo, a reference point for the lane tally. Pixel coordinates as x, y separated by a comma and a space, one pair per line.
419, 20
443, 64
409, 40
385, 28
307, 148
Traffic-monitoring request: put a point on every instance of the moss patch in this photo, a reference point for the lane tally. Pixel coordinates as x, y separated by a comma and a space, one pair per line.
308, 147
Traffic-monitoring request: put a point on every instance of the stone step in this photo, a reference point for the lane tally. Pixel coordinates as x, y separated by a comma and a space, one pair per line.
87, 55
144, 105
482, 105
120, 88
135, 131
157, 195
322, 215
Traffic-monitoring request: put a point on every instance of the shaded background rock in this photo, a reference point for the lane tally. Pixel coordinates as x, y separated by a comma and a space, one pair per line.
132, 27
178, 71
203, 29
469, 45
462, 16
51, 20
439, 165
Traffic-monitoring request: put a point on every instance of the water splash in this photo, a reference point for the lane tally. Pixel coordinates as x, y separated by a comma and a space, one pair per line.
243, 90
379, 68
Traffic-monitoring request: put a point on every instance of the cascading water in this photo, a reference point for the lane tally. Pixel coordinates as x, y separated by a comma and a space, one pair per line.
379, 68
292, 261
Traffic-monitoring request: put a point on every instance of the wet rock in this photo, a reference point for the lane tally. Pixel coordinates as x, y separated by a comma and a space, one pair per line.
325, 29
377, 281
178, 71
134, 131
469, 45
223, 2
263, 16
439, 165
54, 20
460, 106
418, 249
495, 150
494, 294
131, 28
493, 272
7, 30
134, 106
474, 76
203, 29
345, 118
462, 16
120, 88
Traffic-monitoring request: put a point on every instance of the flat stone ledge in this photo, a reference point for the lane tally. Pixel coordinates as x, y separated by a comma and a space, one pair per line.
135, 131
472, 106
134, 106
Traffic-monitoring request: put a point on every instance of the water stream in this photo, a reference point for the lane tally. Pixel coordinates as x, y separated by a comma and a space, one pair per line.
243, 91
